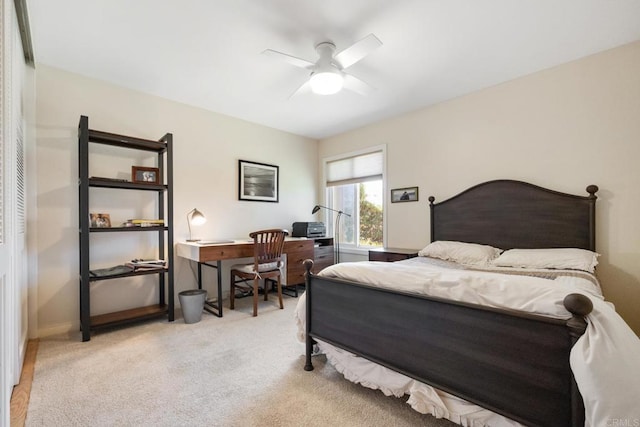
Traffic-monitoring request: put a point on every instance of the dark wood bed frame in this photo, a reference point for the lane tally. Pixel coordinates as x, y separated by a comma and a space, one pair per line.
513, 363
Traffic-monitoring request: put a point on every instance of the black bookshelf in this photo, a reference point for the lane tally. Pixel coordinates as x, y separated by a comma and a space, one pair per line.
164, 189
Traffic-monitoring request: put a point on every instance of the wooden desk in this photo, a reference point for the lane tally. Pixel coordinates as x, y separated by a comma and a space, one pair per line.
297, 250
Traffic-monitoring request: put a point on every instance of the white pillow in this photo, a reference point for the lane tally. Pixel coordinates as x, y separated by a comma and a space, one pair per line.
559, 258
460, 252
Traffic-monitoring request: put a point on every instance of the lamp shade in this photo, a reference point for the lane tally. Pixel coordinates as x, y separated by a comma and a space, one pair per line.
316, 208
195, 217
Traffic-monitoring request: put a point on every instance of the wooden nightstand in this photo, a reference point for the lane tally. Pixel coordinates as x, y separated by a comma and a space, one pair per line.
391, 254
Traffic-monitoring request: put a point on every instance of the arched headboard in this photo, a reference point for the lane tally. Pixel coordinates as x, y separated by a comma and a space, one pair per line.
513, 214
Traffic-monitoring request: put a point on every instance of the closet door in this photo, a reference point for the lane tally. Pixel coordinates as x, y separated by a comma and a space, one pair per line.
13, 259
7, 312
7, 320
17, 197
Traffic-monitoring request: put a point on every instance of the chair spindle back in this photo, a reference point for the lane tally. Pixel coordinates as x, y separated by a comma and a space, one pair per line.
268, 245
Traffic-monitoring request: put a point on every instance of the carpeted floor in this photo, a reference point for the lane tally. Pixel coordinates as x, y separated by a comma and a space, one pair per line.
232, 371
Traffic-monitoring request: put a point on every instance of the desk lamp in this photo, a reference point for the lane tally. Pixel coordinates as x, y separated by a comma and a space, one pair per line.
194, 217
336, 231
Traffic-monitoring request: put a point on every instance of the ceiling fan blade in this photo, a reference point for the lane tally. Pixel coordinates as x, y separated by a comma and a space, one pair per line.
357, 51
305, 88
356, 85
298, 62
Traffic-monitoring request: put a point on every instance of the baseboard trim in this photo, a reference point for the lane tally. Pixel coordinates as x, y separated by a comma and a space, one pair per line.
61, 328
22, 391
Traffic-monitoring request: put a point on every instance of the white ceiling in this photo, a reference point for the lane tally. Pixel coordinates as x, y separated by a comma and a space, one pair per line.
207, 53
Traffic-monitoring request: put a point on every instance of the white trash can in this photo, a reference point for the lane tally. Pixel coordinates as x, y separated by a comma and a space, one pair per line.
192, 304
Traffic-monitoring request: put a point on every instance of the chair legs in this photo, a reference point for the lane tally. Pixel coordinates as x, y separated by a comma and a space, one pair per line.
232, 289
280, 294
279, 288
256, 283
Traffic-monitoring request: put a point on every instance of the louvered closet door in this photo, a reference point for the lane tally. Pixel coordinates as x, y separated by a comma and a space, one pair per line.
12, 65
6, 324
17, 206
6, 347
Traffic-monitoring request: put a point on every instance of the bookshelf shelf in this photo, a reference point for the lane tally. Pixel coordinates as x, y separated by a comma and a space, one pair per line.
126, 316
126, 229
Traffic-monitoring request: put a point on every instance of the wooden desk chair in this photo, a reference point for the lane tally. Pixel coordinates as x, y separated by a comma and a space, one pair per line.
267, 264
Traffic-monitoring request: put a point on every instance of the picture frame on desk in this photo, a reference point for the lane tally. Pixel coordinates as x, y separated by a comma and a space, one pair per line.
145, 175
258, 182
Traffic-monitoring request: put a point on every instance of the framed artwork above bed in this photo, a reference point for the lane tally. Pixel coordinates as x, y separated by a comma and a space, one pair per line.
407, 194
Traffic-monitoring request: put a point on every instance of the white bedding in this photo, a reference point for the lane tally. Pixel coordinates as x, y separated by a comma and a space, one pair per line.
605, 361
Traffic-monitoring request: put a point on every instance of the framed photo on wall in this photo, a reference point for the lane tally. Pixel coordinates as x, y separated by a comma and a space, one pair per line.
144, 175
407, 194
258, 181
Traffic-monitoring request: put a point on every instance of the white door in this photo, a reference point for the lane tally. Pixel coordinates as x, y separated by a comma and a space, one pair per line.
5, 253
7, 324
9, 311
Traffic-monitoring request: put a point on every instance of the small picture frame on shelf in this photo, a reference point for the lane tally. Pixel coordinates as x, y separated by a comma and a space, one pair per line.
145, 175
99, 220
408, 194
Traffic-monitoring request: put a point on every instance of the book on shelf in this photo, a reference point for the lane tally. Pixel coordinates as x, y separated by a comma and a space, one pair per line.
128, 267
110, 271
139, 264
144, 223
102, 178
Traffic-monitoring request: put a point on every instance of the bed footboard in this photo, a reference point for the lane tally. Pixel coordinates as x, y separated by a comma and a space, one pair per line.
515, 364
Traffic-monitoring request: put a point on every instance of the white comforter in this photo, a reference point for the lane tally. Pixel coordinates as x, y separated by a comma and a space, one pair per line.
605, 360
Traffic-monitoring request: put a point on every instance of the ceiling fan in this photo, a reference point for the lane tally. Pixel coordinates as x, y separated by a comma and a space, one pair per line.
327, 73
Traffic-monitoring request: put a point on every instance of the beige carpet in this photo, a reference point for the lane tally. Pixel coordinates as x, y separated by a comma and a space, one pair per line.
230, 371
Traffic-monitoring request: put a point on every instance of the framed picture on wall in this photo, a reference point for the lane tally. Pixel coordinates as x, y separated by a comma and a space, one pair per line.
407, 194
257, 181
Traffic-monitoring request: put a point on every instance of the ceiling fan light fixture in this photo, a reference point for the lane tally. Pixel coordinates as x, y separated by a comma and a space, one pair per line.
326, 82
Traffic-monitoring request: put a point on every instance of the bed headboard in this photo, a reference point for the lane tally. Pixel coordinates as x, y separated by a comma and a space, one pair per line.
513, 214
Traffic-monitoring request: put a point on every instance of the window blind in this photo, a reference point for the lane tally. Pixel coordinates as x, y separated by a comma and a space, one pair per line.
351, 170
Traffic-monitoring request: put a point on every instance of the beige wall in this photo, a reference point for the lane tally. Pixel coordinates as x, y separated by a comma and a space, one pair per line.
207, 147
562, 128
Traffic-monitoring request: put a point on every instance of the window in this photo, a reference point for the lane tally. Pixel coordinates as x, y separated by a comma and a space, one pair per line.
355, 185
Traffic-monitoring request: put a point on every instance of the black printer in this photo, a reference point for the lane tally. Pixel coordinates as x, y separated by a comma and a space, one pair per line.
308, 229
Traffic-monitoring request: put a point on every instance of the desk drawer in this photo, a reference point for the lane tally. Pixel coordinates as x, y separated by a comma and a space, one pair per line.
297, 245
226, 251
323, 257
295, 259
323, 251
297, 252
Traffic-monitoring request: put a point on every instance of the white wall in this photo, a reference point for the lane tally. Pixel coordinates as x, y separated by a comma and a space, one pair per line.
562, 128
207, 147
